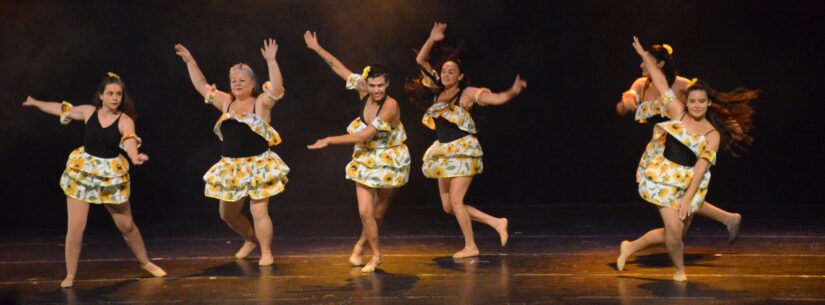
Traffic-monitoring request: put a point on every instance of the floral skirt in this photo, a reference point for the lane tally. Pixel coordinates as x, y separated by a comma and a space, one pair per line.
663, 183
380, 167
96, 180
258, 177
458, 158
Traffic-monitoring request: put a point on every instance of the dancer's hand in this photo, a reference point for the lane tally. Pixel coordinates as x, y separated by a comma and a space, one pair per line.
683, 208
638, 46
518, 85
141, 158
30, 101
183, 52
311, 39
629, 101
270, 49
437, 33
321, 143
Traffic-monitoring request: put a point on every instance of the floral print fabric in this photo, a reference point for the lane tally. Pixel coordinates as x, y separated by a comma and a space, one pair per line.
458, 158
663, 182
96, 180
382, 161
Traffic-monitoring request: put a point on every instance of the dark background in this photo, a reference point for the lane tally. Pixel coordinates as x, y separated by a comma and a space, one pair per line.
558, 143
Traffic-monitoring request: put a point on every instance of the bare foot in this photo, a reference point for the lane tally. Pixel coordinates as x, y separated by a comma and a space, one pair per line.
246, 249
502, 231
266, 260
623, 255
374, 262
356, 258
733, 228
154, 270
466, 252
67, 282
680, 276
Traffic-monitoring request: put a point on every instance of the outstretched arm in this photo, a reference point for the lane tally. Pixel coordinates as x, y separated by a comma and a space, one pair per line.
389, 113
199, 81
436, 35
79, 113
659, 81
484, 97
311, 40
275, 88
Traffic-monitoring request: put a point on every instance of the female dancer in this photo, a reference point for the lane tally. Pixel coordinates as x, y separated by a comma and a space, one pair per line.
96, 172
640, 98
380, 162
248, 168
455, 157
673, 172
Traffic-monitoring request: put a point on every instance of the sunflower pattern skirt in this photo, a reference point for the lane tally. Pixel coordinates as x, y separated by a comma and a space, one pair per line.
232, 179
382, 161
96, 180
459, 158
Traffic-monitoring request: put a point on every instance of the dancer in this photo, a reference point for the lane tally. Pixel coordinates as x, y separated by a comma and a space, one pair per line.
380, 162
248, 168
673, 172
96, 173
455, 157
640, 99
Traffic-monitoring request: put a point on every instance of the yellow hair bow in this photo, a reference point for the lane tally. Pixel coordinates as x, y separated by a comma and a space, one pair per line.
112, 75
365, 73
692, 82
668, 48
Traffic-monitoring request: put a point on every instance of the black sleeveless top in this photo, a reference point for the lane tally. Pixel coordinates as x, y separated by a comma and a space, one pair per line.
447, 131
677, 152
101, 142
364, 106
239, 140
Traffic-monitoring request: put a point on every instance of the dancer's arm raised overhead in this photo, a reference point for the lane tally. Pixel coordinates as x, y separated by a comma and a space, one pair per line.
79, 113
436, 35
274, 88
342, 71
209, 92
674, 109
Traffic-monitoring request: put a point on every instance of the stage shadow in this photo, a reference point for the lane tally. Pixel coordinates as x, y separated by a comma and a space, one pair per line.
635, 288
662, 260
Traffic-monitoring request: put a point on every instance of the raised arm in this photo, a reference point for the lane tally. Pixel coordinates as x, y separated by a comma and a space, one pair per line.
274, 89
130, 141
436, 35
389, 113
699, 170
658, 77
199, 81
485, 97
79, 113
312, 43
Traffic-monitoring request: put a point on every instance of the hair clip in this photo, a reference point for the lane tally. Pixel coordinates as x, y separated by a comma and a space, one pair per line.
112, 75
365, 73
668, 48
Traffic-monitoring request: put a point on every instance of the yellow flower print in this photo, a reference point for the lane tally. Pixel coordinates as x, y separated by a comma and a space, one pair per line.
438, 172
370, 162
387, 157
352, 169
645, 194
215, 188
388, 178
399, 180
71, 188
475, 165
78, 163
257, 180
106, 196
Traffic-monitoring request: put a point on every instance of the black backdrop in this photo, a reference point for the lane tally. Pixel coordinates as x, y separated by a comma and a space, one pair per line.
559, 142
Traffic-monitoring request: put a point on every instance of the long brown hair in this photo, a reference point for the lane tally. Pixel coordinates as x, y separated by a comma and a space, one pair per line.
727, 108
127, 105
422, 96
